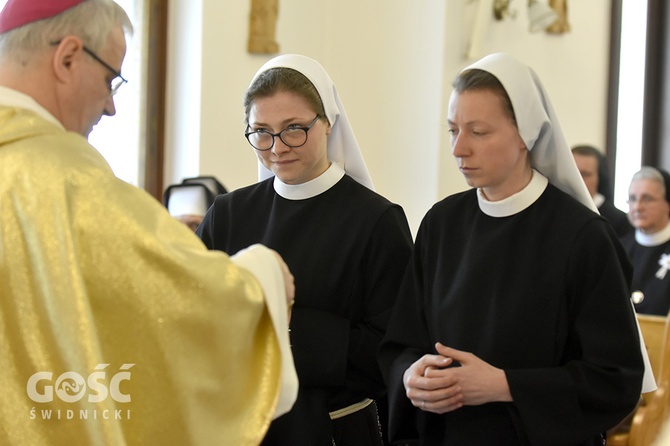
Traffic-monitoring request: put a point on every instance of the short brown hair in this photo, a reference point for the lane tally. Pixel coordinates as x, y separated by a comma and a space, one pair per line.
475, 79
282, 79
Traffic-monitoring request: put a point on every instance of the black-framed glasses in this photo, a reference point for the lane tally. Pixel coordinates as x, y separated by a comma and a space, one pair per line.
293, 136
116, 82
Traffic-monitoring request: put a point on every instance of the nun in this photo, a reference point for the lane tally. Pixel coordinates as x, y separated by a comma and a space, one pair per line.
649, 246
514, 324
346, 245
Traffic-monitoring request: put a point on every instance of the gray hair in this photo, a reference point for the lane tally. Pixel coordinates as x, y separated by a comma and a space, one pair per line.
650, 173
91, 20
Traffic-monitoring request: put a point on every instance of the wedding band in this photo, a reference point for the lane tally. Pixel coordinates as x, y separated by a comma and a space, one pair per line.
290, 304
423, 404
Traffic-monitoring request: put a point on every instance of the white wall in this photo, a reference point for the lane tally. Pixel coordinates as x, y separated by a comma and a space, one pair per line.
183, 80
392, 62
573, 66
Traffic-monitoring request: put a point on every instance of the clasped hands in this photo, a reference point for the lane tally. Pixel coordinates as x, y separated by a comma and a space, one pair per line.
434, 384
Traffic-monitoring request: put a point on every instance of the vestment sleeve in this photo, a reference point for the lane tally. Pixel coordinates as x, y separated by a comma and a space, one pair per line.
262, 264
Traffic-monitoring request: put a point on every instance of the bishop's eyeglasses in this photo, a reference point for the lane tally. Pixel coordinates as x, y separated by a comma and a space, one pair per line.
293, 136
116, 82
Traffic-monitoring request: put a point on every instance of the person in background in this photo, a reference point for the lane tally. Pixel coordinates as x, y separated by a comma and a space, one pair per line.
346, 245
649, 246
592, 166
189, 200
504, 331
117, 325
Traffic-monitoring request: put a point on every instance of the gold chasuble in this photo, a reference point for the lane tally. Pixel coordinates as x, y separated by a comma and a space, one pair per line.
117, 325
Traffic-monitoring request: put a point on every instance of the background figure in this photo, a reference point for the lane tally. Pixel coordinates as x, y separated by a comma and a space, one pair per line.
117, 325
346, 245
649, 246
188, 201
593, 168
502, 284
211, 182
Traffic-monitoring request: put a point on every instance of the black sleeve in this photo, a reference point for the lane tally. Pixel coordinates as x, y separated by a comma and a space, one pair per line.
339, 351
600, 383
406, 340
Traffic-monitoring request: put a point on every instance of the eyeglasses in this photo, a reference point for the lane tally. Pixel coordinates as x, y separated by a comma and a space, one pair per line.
116, 82
643, 199
293, 136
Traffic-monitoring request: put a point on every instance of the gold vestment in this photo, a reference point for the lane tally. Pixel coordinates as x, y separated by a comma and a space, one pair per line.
117, 325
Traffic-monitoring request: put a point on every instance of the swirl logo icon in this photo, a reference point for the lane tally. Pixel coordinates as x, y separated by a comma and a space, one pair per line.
70, 387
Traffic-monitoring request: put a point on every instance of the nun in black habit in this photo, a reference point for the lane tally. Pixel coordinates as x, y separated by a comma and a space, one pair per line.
346, 245
649, 246
514, 324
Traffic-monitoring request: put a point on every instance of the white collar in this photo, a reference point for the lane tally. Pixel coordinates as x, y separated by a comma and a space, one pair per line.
517, 202
312, 188
13, 98
599, 199
655, 239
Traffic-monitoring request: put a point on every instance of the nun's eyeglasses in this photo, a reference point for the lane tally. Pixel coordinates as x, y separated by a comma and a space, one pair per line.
643, 199
118, 80
293, 136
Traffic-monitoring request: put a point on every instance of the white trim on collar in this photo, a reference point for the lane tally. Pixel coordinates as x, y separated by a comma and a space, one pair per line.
655, 239
599, 199
312, 188
13, 98
517, 202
